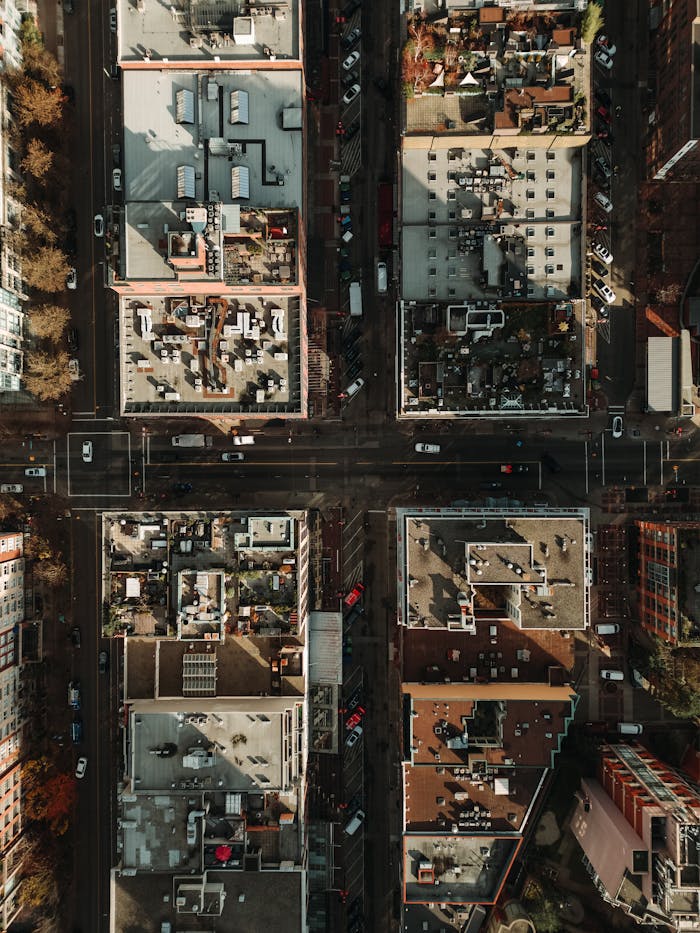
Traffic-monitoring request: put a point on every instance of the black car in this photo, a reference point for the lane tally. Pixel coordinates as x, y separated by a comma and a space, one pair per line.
68, 6
73, 340
351, 77
69, 91
597, 303
103, 662
351, 130
552, 465
345, 196
352, 38
599, 267
350, 8
603, 97
75, 636
382, 85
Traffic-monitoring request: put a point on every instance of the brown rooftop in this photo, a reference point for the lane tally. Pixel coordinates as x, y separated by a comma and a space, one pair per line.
437, 797
563, 36
491, 14
436, 654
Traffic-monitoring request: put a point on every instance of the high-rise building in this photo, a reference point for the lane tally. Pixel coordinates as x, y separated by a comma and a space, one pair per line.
674, 121
639, 827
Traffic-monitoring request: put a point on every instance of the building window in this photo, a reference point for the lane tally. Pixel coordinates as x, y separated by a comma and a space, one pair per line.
453, 233
549, 270
549, 252
549, 231
549, 214
432, 176
432, 196
551, 156
530, 252
551, 174
432, 156
432, 270
530, 175
452, 195
550, 194
451, 272
530, 270
452, 215
431, 216
530, 194
432, 291
529, 214
530, 291
451, 292
530, 156
529, 231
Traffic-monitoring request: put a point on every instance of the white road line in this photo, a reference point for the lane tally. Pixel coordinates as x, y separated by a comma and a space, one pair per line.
585, 449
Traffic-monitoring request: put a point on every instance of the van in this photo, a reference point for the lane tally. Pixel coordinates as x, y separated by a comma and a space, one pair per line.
355, 292
74, 694
241, 440
381, 278
354, 824
630, 728
610, 628
612, 675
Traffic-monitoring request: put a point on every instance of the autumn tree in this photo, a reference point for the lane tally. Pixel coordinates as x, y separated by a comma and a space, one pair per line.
35, 103
37, 160
49, 321
39, 224
37, 547
53, 573
8, 507
48, 269
591, 22
40, 63
46, 375
50, 795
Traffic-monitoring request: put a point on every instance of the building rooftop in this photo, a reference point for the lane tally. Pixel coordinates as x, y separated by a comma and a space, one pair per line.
224, 354
499, 71
466, 868
459, 566
144, 901
208, 31
484, 224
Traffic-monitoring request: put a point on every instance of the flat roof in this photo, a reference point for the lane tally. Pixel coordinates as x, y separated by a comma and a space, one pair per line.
156, 144
534, 567
144, 901
482, 223
208, 31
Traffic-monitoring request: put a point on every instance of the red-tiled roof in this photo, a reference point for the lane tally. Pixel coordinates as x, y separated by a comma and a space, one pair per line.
491, 14
563, 36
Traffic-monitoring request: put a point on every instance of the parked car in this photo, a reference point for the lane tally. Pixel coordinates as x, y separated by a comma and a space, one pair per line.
603, 202
352, 38
232, 458
354, 824
350, 95
75, 636
103, 662
117, 179
611, 675
599, 305
113, 20
607, 628
11, 487
604, 114
515, 468
603, 97
354, 737
630, 728
35, 471
81, 768
603, 253
603, 59
604, 291
73, 340
76, 731
72, 278
243, 440
354, 594
427, 448
352, 77
604, 43
98, 225
87, 451
352, 58
354, 388
599, 268
617, 426
351, 130
351, 7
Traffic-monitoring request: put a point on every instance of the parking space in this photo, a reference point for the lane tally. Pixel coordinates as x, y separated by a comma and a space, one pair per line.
350, 87
354, 802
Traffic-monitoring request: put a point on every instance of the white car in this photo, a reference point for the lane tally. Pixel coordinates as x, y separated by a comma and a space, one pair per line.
354, 387
231, 458
605, 292
352, 58
87, 451
603, 59
11, 487
603, 202
72, 278
604, 43
35, 471
81, 768
603, 253
98, 225
243, 440
117, 179
354, 736
612, 675
350, 95
617, 426
427, 448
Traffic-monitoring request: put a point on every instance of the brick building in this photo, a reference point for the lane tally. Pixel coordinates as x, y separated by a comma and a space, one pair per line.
639, 828
673, 51
669, 606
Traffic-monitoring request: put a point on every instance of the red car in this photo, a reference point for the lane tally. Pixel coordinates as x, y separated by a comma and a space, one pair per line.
355, 719
354, 594
604, 114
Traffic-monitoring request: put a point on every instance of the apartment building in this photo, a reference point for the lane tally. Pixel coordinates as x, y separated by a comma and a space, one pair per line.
207, 251
491, 219
487, 656
11, 722
668, 604
639, 827
674, 121
213, 809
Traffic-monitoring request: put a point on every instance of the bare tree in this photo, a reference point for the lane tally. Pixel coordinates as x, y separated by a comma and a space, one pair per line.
38, 159
49, 321
46, 375
48, 270
35, 103
53, 573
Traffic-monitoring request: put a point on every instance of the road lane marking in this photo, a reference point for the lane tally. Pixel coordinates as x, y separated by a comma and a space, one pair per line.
585, 462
